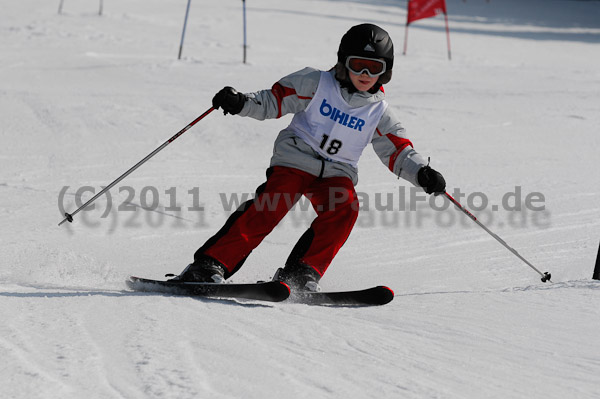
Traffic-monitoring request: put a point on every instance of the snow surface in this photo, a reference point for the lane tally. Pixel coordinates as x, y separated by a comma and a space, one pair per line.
84, 97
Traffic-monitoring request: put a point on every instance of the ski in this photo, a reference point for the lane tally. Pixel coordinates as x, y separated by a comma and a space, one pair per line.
379, 295
272, 291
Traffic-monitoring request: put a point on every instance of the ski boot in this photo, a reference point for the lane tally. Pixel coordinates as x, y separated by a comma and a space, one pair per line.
299, 277
202, 270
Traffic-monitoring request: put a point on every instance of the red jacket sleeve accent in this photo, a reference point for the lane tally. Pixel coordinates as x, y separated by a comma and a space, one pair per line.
400, 144
280, 92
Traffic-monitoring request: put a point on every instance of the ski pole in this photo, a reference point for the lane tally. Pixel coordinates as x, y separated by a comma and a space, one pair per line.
545, 276
69, 216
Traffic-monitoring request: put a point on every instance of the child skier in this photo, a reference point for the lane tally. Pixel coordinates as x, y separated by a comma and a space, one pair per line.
337, 114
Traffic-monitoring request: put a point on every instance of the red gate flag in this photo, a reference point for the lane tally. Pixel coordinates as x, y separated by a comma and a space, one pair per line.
419, 9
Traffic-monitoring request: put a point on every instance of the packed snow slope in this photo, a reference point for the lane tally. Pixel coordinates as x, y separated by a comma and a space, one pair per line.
512, 121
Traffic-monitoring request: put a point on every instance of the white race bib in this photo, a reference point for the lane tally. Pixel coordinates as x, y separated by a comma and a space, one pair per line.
334, 129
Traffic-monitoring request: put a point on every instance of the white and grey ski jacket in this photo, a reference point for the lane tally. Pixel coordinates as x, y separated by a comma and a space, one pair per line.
293, 93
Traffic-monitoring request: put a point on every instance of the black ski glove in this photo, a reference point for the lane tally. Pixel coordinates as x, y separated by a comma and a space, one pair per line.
231, 101
431, 180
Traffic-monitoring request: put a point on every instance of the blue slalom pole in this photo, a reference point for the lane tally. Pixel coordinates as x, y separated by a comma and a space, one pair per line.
187, 12
244, 13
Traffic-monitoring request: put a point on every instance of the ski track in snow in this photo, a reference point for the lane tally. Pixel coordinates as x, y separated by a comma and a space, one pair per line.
84, 97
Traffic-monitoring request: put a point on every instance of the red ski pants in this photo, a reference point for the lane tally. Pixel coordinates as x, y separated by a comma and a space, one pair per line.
333, 199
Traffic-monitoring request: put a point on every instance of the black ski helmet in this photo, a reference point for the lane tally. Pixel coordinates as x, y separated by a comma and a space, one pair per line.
367, 40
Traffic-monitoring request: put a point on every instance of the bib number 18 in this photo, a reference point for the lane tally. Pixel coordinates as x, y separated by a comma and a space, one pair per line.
334, 145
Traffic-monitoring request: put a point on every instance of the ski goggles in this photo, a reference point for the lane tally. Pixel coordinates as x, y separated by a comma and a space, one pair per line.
372, 66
